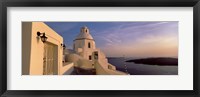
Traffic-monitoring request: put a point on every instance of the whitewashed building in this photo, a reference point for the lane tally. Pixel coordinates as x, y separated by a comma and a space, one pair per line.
42, 52
87, 56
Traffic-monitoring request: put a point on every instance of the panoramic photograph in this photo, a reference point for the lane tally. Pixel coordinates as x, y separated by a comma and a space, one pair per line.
100, 48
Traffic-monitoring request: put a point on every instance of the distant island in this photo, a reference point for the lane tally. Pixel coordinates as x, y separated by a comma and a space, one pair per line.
162, 61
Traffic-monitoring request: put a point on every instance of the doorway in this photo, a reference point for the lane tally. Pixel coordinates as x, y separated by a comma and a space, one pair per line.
96, 55
50, 59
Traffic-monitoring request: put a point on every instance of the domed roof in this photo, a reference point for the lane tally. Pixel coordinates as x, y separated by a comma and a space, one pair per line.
84, 27
84, 34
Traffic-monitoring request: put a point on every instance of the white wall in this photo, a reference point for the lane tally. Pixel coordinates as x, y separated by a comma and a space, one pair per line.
67, 69
83, 44
37, 47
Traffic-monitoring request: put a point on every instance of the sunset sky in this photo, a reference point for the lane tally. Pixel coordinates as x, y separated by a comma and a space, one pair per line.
132, 39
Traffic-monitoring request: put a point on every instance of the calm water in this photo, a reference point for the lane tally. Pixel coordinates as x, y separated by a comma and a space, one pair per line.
142, 69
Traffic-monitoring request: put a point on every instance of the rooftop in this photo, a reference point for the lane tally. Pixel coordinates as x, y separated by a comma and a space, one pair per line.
84, 34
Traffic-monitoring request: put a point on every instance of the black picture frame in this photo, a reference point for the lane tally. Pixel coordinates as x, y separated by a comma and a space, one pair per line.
99, 3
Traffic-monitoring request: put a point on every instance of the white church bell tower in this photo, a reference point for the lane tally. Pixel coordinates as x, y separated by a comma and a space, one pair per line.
84, 43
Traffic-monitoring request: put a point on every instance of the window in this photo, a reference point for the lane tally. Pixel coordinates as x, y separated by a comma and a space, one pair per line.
109, 67
90, 57
89, 46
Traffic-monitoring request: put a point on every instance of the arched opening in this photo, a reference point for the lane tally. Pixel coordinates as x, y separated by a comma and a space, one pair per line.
90, 57
89, 45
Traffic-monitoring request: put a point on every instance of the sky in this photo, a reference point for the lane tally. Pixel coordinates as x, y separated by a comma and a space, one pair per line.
130, 39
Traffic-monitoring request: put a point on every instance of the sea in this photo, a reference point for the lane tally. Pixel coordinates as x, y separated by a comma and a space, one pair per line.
141, 69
